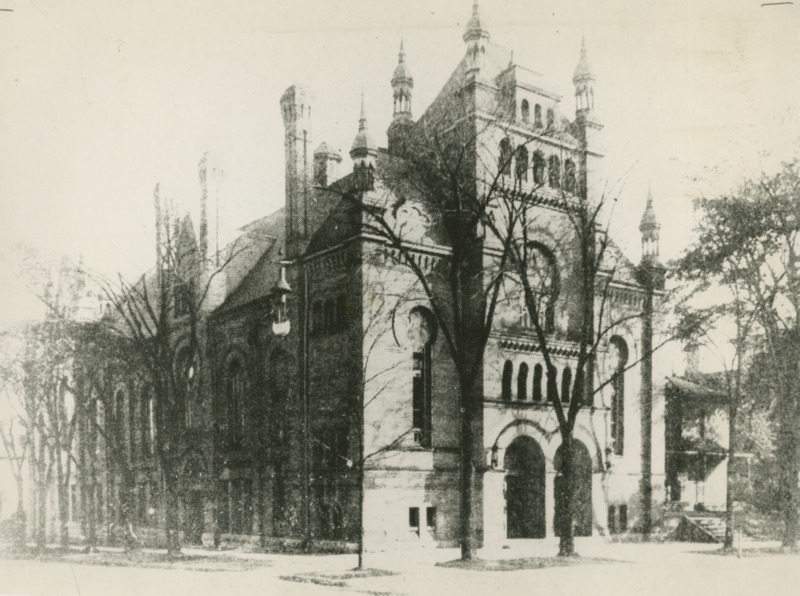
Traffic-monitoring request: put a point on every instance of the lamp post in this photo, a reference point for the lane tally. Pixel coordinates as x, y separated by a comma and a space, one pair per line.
281, 325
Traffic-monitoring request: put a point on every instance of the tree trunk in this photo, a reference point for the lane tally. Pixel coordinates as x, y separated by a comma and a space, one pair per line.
63, 501
360, 527
467, 473
172, 505
733, 410
566, 544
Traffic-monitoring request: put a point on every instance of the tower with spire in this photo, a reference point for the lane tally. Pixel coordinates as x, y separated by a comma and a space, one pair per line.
583, 79
587, 126
402, 122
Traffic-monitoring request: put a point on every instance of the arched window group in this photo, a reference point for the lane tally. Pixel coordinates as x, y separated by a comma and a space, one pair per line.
546, 170
619, 356
539, 388
329, 316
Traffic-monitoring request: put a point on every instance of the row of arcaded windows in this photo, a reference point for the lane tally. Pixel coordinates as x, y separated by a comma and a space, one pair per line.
547, 171
519, 391
525, 109
329, 316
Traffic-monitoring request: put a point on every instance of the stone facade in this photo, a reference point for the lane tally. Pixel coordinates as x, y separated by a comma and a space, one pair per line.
279, 416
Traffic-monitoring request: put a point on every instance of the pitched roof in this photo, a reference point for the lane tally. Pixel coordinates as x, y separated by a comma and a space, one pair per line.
694, 390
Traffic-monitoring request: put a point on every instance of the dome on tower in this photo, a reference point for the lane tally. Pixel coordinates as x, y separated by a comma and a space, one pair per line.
401, 71
363, 143
649, 220
327, 150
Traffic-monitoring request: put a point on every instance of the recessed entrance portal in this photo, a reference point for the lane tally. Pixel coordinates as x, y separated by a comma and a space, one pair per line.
582, 493
525, 489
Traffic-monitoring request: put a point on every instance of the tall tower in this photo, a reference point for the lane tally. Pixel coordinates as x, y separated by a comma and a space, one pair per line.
588, 128
649, 227
476, 38
296, 112
402, 122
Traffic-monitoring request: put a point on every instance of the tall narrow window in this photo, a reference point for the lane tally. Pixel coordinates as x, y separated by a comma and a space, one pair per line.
422, 333
187, 383
508, 373
522, 164
235, 394
551, 118
330, 316
146, 422
554, 171
537, 116
341, 312
569, 176
537, 383
317, 320
505, 157
522, 382
619, 359
538, 167
552, 383
566, 384
525, 110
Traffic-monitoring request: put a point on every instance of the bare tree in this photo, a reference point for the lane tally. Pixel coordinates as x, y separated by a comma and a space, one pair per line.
161, 323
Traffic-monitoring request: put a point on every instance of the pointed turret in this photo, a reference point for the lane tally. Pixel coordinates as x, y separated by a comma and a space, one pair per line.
583, 79
402, 84
363, 152
649, 227
402, 124
476, 38
474, 29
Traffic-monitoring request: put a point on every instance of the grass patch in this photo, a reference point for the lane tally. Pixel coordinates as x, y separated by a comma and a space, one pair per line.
523, 563
139, 558
336, 579
767, 551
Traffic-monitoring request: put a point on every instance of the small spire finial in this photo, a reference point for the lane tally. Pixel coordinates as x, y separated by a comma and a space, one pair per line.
362, 121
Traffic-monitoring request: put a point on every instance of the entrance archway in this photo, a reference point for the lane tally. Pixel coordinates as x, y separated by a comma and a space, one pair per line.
525, 489
582, 493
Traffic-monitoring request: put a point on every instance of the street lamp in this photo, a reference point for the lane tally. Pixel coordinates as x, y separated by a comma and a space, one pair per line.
278, 300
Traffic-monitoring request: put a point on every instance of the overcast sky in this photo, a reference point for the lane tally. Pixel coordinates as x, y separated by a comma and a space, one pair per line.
102, 99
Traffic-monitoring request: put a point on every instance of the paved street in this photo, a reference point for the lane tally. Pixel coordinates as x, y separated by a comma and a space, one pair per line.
671, 569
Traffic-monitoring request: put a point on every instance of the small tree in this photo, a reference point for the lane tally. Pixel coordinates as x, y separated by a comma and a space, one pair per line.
750, 242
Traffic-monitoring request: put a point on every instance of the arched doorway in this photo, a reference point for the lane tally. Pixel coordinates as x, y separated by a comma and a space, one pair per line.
582, 494
525, 489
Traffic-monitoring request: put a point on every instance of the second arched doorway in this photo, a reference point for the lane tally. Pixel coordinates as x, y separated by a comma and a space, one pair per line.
582, 490
525, 489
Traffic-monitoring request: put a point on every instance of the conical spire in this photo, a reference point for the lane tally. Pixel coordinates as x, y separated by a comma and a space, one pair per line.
402, 74
362, 121
649, 227
363, 143
582, 71
649, 220
474, 29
